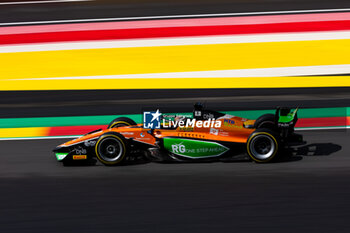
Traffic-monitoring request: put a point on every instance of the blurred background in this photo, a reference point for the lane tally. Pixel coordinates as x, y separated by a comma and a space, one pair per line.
71, 66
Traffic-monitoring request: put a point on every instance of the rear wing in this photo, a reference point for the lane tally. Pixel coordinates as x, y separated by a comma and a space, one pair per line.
286, 115
286, 118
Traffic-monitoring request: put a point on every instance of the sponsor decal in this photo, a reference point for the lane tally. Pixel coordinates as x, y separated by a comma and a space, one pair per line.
142, 134
285, 125
90, 143
143, 139
191, 123
127, 133
214, 131
197, 113
194, 148
208, 116
186, 129
231, 124
190, 135
79, 157
223, 133
151, 120
80, 151
61, 156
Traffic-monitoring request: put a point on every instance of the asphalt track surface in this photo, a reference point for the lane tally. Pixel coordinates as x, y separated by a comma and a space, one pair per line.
308, 192
136, 8
119, 102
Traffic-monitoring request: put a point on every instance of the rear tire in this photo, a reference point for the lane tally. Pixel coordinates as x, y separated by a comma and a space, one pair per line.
111, 149
121, 121
265, 121
263, 145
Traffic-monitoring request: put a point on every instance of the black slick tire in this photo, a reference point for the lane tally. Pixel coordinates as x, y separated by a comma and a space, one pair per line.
263, 145
121, 121
111, 149
265, 121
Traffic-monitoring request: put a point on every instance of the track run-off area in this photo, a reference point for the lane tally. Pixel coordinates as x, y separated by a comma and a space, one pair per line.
73, 126
266, 49
260, 51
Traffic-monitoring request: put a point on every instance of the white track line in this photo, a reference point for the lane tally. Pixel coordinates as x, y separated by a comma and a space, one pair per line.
40, 2
176, 41
175, 16
241, 73
322, 128
76, 136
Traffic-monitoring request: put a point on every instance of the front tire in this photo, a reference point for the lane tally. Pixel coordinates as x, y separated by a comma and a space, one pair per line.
111, 149
263, 145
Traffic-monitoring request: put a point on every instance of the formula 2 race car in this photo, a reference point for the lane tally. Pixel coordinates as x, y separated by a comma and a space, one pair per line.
263, 139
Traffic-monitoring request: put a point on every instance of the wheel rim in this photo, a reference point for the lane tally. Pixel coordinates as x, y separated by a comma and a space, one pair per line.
110, 149
262, 147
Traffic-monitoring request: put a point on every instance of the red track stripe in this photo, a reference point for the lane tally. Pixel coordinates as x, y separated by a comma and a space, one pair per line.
73, 130
321, 122
172, 32
217, 21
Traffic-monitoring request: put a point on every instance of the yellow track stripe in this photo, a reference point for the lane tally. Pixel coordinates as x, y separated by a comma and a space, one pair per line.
269, 82
91, 62
23, 132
